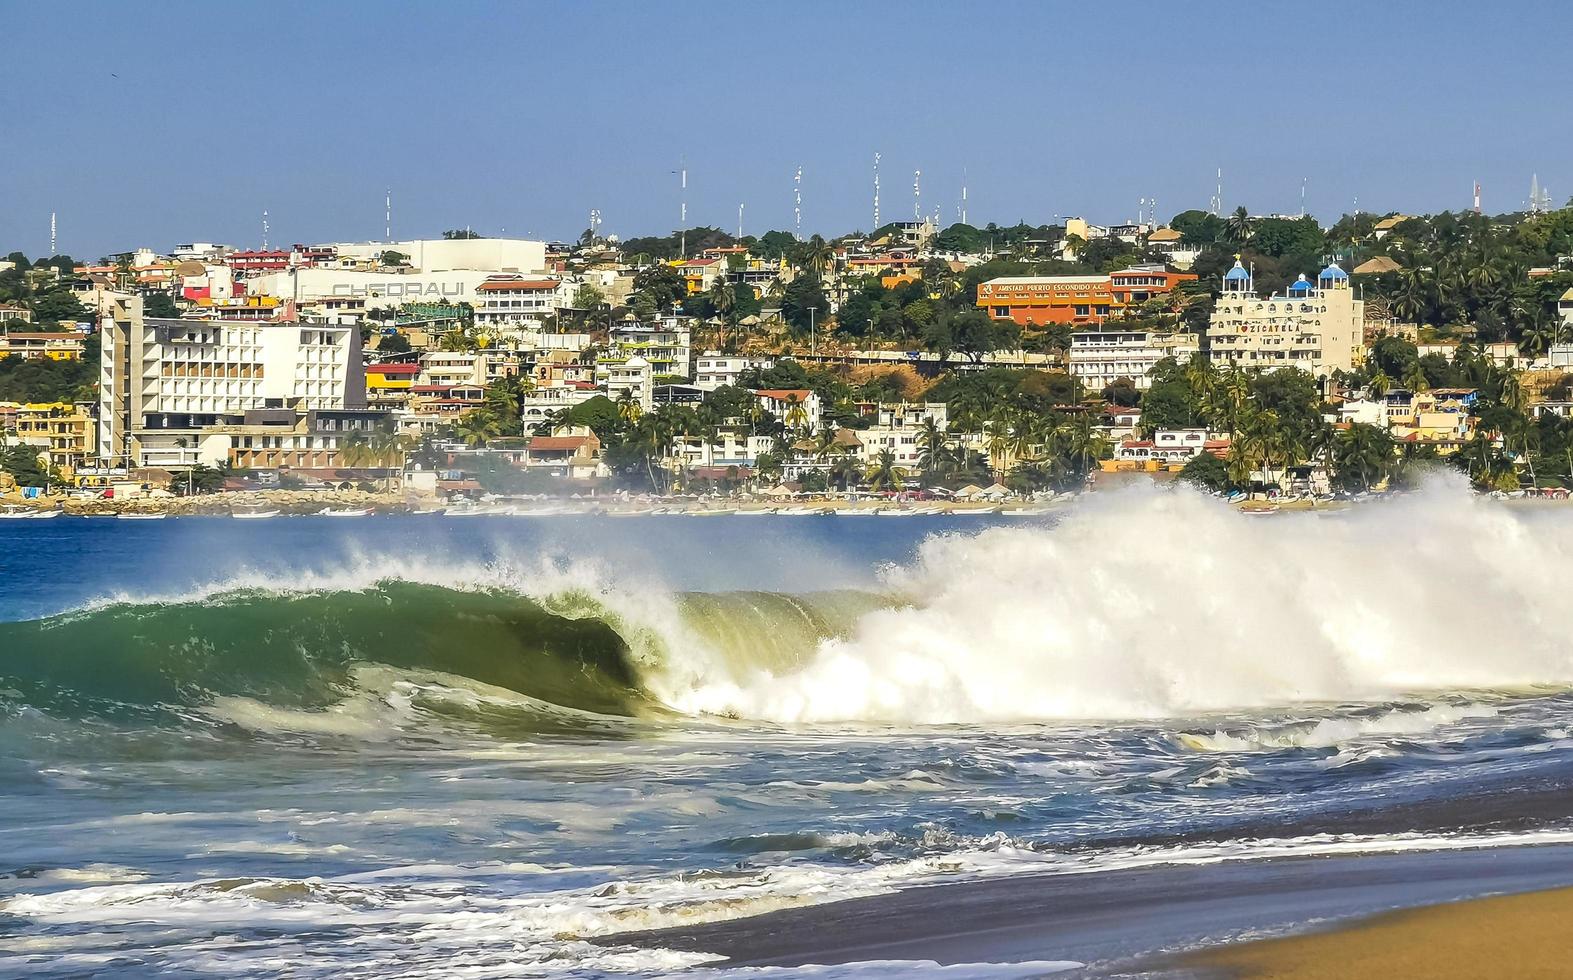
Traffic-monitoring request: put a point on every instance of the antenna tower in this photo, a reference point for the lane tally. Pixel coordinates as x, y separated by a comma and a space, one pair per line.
52, 246
876, 193
917, 195
1216, 204
797, 204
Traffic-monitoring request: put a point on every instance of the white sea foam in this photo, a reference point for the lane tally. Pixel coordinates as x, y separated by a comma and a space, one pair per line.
1163, 602
1332, 732
433, 920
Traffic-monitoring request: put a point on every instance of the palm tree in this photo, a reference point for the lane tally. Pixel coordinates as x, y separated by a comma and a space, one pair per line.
884, 473
628, 407
357, 452
1225, 402
1237, 227
933, 448
388, 448
844, 471
456, 340
1415, 377
1538, 337
1380, 383
815, 255
475, 426
999, 444
1413, 299
723, 296
796, 414
503, 399
1362, 455
1513, 394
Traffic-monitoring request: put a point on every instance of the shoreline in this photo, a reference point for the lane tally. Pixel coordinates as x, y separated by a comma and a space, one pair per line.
1519, 935
1144, 921
299, 503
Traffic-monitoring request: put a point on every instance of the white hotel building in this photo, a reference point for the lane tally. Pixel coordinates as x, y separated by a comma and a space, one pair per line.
1317, 327
162, 381
1099, 356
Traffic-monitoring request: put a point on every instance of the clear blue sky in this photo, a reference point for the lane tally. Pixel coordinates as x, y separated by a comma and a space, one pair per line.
148, 124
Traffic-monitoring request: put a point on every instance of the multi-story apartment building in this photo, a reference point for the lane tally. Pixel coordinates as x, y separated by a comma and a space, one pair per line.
632, 376
162, 381
664, 343
713, 370
798, 408
15, 311
700, 274
1318, 326
1100, 356
38, 345
517, 300
1040, 300
897, 429
258, 260
61, 431
270, 438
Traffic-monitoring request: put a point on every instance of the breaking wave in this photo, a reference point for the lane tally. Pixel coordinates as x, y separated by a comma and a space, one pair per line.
1139, 604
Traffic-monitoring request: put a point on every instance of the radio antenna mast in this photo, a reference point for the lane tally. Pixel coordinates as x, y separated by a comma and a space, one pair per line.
876, 194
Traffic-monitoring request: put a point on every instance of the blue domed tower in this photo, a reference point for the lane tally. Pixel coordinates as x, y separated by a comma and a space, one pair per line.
1301, 287
1332, 277
1237, 280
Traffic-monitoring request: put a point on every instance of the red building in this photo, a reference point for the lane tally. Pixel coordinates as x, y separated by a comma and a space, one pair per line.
270, 260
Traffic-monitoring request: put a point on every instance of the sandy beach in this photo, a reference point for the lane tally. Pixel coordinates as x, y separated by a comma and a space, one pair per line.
1520, 936
1130, 921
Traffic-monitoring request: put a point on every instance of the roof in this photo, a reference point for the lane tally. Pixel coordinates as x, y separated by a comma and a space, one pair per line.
1048, 280
1236, 274
784, 394
1387, 224
393, 369
1376, 266
1332, 272
1164, 235
509, 285
558, 443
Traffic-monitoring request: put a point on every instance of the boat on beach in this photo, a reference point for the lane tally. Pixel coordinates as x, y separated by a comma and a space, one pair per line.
344, 512
254, 515
140, 517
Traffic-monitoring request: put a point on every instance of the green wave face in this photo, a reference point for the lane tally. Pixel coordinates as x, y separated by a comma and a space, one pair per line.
300, 650
297, 649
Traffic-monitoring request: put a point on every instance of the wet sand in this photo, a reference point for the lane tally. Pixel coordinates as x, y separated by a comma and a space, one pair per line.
1117, 921
1520, 936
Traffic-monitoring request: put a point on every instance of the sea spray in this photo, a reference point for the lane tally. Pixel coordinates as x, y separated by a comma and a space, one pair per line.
1162, 602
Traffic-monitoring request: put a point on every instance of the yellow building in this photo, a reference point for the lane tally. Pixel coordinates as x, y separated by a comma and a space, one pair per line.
42, 345
61, 431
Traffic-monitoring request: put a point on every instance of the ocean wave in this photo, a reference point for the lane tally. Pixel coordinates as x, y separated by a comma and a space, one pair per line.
1138, 605
1326, 733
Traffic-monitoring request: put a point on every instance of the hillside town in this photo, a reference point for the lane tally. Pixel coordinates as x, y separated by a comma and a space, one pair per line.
1263, 357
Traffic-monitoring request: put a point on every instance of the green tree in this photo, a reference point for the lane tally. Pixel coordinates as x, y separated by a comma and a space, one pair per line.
1206, 470
883, 473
